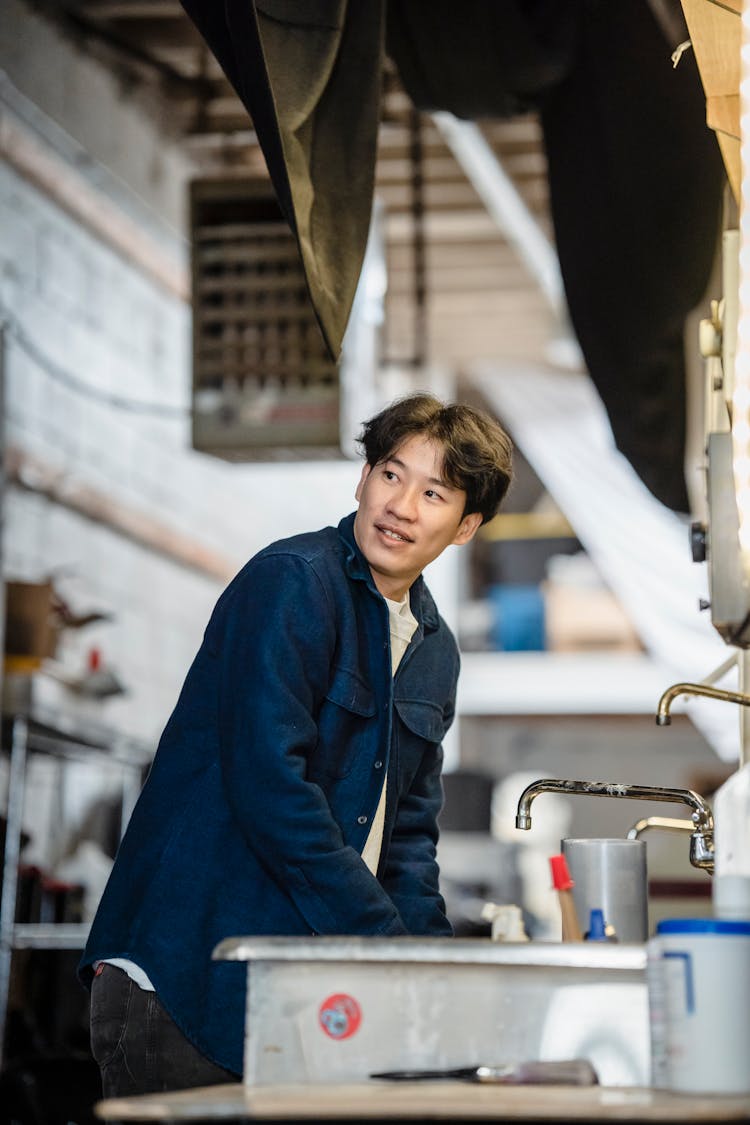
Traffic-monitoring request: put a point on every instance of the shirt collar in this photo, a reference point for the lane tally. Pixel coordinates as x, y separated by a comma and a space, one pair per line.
422, 605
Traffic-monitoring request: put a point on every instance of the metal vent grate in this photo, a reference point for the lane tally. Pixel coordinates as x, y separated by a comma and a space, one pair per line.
264, 386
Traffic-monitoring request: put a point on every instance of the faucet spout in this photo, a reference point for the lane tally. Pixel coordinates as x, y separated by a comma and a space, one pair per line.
663, 716
701, 840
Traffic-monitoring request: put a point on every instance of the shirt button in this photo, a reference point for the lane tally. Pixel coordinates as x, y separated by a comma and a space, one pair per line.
378, 765
361, 820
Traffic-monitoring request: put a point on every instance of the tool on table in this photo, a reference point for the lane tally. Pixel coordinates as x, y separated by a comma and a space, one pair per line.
565, 1072
563, 884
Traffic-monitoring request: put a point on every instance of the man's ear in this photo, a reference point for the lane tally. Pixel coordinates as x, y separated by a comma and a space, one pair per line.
366, 469
468, 527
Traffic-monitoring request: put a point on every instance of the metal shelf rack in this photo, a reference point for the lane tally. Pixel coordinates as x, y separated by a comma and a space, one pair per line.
40, 732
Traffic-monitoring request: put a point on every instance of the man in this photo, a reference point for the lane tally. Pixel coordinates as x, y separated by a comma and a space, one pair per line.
296, 786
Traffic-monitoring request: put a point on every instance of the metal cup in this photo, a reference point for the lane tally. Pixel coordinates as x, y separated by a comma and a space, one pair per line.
610, 875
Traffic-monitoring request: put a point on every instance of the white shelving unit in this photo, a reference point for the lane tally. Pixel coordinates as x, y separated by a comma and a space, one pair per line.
570, 683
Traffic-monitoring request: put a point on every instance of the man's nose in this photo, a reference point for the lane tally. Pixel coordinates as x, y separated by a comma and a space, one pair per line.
403, 503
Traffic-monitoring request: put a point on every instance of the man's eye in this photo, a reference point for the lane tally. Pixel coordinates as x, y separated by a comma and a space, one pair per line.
431, 492
389, 474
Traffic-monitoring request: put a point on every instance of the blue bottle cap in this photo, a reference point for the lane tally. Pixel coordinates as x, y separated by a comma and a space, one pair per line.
703, 926
596, 926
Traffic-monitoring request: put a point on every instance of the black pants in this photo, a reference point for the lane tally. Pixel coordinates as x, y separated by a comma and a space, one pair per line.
138, 1047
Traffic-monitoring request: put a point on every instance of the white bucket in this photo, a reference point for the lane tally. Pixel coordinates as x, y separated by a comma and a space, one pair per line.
699, 998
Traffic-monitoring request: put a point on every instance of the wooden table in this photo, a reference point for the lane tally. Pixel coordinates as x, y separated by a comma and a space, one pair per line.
426, 1101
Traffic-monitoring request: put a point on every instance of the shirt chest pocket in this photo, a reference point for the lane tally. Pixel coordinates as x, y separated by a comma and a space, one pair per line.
347, 732
421, 731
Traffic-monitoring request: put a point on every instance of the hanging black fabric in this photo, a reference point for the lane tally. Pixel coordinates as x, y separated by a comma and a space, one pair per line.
636, 182
635, 178
635, 175
480, 59
309, 74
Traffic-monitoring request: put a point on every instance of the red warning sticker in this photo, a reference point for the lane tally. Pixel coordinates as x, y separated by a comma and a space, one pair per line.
340, 1016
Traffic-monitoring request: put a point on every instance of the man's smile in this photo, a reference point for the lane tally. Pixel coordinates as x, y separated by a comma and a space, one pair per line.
391, 533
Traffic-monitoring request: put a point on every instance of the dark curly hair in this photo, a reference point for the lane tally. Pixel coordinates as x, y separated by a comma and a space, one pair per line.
477, 452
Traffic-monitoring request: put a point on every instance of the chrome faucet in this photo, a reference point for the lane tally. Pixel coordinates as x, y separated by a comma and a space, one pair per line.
701, 839
663, 717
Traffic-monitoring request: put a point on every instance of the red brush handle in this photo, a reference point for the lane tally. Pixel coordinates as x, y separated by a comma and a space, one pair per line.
561, 879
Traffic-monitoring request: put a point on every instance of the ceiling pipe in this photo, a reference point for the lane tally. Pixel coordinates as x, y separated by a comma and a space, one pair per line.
504, 204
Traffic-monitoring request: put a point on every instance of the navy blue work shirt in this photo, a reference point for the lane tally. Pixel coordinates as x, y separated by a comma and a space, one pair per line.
267, 777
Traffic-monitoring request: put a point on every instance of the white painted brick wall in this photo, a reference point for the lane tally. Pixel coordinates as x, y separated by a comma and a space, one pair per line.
100, 320
113, 123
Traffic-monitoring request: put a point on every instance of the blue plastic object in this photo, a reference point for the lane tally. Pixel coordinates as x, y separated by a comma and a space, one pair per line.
703, 926
596, 930
518, 623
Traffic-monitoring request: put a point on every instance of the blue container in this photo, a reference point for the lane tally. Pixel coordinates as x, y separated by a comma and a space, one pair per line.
517, 619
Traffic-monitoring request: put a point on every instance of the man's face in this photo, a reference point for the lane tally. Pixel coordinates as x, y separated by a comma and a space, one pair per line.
408, 514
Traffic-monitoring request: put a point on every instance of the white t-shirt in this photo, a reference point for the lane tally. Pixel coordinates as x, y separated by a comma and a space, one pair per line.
403, 624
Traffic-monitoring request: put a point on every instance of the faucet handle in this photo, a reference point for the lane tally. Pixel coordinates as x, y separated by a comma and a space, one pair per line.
702, 850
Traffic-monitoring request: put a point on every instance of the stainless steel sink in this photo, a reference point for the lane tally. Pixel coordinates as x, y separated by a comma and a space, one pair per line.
339, 1009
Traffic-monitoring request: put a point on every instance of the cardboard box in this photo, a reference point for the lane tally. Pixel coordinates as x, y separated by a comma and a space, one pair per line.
31, 624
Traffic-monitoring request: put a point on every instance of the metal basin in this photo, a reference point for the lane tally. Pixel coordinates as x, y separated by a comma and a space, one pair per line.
339, 1009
